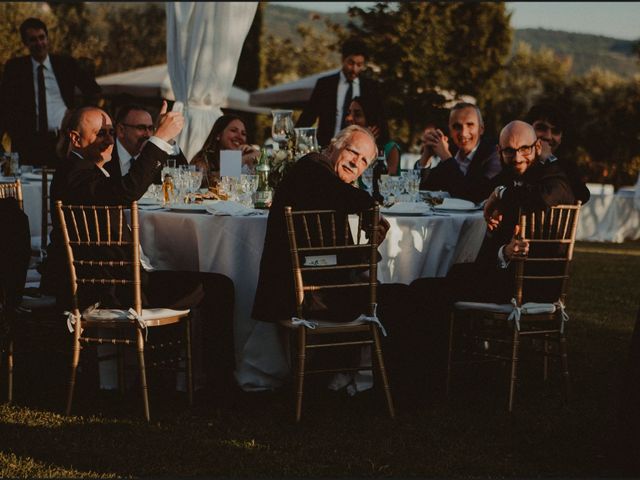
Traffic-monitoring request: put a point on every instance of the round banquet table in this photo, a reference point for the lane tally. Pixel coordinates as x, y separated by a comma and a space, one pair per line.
415, 246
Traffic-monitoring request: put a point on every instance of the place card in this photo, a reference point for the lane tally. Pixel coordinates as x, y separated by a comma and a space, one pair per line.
230, 163
320, 260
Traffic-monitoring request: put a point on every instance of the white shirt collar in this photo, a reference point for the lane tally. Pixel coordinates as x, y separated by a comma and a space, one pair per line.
47, 63
470, 155
343, 79
106, 174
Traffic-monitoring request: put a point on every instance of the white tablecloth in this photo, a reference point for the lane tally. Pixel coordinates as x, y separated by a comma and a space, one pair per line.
415, 247
609, 217
32, 200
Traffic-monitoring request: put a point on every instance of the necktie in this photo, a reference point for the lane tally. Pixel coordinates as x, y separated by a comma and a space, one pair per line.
43, 125
347, 102
131, 162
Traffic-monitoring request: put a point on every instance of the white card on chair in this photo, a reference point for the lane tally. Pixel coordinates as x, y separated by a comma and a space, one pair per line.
230, 163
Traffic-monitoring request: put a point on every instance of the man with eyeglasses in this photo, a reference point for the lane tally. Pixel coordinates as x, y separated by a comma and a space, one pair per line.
526, 182
83, 180
134, 127
549, 121
36, 92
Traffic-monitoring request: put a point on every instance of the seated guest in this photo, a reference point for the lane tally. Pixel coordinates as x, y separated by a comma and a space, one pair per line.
228, 133
134, 126
467, 172
15, 252
82, 179
363, 111
526, 182
548, 122
321, 181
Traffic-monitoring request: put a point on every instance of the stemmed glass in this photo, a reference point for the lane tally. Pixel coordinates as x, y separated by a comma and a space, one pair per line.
282, 126
367, 179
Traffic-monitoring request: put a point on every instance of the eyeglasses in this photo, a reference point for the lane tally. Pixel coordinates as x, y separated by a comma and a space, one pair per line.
141, 128
524, 150
104, 131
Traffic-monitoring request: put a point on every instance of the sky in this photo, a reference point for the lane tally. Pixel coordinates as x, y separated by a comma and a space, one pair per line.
612, 19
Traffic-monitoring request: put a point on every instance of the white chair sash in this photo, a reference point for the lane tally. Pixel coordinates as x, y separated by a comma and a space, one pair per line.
312, 324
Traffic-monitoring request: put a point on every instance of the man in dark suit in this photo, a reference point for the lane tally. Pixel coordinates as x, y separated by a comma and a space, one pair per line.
331, 96
83, 180
467, 172
36, 91
134, 127
526, 183
549, 123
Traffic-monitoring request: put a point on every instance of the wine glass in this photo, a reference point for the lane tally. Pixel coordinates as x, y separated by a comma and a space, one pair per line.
367, 179
282, 126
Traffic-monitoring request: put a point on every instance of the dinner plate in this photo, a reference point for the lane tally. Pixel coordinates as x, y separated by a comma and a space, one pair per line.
189, 207
456, 205
151, 207
407, 209
148, 201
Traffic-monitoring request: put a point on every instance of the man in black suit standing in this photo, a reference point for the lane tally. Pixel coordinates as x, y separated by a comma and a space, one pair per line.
331, 96
134, 127
36, 91
467, 172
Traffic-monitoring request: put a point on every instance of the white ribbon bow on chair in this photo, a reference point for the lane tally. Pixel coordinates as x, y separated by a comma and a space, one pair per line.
565, 316
133, 315
373, 319
515, 314
301, 321
72, 319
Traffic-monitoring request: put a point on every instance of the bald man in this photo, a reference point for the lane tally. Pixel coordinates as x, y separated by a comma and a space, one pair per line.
526, 182
83, 180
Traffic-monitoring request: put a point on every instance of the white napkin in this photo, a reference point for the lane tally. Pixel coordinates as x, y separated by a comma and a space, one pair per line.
229, 207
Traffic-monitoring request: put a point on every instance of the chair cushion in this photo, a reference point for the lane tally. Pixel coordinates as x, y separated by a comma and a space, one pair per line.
148, 314
529, 308
32, 300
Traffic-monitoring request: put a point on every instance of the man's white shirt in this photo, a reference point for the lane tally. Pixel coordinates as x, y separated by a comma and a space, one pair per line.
56, 107
343, 85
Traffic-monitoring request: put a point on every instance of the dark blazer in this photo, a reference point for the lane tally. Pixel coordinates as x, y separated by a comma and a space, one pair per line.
322, 105
113, 166
542, 186
476, 184
15, 251
310, 184
17, 96
81, 182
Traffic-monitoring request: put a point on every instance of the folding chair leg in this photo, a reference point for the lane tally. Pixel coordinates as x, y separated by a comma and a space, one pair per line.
564, 358
143, 375
382, 370
187, 326
514, 366
301, 355
449, 354
74, 368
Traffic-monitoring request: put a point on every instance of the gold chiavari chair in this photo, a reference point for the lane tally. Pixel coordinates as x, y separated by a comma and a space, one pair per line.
103, 251
319, 242
12, 190
481, 332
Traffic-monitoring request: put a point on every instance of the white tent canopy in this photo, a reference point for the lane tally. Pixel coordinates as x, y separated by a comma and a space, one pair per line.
288, 95
154, 82
297, 93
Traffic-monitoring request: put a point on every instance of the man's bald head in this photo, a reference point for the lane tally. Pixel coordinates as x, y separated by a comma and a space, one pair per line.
92, 135
518, 146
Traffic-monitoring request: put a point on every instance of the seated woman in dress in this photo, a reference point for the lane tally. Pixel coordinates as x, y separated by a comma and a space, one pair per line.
228, 133
364, 113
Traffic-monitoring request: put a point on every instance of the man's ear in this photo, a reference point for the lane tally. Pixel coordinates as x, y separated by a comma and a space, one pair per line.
74, 138
538, 147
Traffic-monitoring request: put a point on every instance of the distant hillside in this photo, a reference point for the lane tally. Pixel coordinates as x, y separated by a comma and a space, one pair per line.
588, 51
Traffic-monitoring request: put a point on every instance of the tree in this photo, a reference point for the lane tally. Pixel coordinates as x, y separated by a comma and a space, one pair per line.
422, 48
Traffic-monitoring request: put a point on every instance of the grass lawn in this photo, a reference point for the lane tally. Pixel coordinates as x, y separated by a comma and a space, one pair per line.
242, 434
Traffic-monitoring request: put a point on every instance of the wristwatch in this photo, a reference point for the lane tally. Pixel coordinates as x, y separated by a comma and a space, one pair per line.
499, 191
